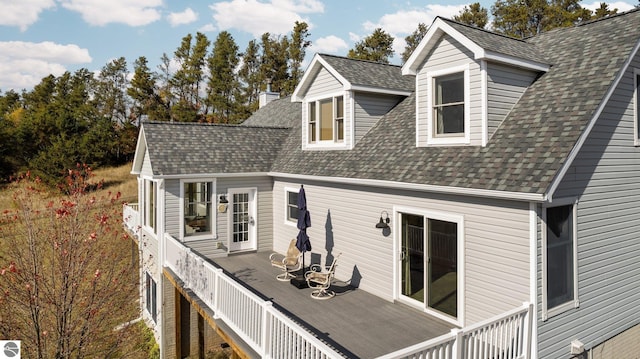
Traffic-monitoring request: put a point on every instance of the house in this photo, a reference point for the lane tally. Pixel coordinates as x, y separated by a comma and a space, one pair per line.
504, 175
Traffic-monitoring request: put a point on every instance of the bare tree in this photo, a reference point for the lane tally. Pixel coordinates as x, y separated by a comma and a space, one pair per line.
68, 276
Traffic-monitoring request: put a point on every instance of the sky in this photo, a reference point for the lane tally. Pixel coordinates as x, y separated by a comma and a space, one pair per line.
42, 37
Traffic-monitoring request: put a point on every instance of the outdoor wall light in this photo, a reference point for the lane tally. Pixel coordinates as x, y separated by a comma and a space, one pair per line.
384, 222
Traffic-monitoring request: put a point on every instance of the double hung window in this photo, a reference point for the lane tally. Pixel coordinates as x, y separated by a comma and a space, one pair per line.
448, 105
151, 291
560, 256
326, 120
197, 208
292, 206
150, 190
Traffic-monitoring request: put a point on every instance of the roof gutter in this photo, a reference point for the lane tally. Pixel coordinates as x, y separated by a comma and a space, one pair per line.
516, 196
211, 175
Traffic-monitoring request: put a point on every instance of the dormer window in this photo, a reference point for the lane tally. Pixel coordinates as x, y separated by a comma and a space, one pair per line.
326, 120
448, 103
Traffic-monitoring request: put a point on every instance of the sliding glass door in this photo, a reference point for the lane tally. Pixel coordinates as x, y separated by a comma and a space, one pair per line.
429, 262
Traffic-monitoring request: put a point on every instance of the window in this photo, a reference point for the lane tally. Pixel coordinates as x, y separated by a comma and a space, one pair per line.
150, 289
326, 120
446, 117
560, 259
197, 208
292, 206
448, 105
150, 195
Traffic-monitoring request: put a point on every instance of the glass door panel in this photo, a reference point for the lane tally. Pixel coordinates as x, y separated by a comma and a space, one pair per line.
442, 275
242, 222
412, 247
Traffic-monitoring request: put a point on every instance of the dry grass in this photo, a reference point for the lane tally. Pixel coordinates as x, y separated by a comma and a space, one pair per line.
116, 179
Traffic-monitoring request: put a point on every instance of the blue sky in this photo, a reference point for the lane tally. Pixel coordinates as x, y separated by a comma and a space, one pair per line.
42, 37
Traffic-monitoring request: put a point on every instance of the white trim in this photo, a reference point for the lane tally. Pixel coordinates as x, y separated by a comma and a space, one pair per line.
213, 215
460, 267
533, 273
286, 220
326, 144
585, 134
636, 107
378, 90
516, 196
575, 303
417, 101
351, 106
317, 63
210, 175
253, 212
440, 27
484, 99
515, 61
463, 139
138, 156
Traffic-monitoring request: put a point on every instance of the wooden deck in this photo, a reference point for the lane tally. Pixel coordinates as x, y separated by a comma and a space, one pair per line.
357, 323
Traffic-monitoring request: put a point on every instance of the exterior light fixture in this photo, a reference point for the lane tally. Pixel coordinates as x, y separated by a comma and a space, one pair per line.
384, 222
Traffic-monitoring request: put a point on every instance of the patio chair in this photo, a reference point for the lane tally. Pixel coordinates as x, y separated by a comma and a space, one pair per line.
319, 279
288, 263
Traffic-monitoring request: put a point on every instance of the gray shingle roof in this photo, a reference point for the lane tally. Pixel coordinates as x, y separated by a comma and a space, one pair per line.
501, 44
370, 74
191, 148
278, 113
526, 151
524, 154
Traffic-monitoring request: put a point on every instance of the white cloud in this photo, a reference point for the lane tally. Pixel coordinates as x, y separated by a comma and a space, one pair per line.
22, 13
620, 5
129, 12
329, 44
181, 18
404, 22
24, 64
256, 17
208, 28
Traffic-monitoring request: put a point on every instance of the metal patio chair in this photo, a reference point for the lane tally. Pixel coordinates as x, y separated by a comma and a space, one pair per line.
290, 262
319, 279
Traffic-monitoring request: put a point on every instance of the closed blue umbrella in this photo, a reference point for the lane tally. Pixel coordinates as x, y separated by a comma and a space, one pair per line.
304, 221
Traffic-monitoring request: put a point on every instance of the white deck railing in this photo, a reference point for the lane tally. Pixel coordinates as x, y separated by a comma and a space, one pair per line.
267, 330
507, 336
131, 216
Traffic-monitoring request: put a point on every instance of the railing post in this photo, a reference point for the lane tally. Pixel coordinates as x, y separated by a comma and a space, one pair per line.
458, 345
216, 293
528, 329
266, 329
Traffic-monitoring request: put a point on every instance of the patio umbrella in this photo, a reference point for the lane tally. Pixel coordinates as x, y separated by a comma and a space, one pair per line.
304, 221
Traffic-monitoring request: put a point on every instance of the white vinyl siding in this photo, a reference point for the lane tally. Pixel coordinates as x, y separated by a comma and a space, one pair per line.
146, 169
343, 219
447, 56
264, 220
369, 108
605, 176
505, 86
325, 86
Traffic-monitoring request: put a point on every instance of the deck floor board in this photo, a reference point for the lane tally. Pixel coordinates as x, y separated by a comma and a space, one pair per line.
360, 324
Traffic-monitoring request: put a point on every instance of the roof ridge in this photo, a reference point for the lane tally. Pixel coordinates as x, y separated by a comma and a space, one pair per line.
608, 17
483, 30
207, 124
360, 60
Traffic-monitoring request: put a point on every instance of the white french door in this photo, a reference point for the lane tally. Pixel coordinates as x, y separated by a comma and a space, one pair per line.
242, 219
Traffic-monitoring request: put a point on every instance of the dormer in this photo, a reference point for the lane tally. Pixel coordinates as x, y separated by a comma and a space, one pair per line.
343, 98
467, 81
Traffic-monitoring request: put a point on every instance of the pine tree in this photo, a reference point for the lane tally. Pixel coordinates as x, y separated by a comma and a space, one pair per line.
297, 52
223, 84
249, 75
413, 40
527, 18
474, 15
377, 47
